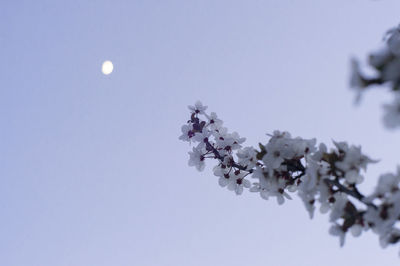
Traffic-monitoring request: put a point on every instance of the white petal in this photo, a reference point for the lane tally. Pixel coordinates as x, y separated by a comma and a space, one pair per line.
325, 207
223, 182
280, 199
239, 190
356, 230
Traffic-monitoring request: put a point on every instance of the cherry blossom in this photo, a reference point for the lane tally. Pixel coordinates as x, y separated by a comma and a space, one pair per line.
287, 165
384, 64
197, 108
197, 159
324, 179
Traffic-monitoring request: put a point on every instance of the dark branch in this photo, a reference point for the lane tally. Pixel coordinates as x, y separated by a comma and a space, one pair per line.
217, 155
354, 193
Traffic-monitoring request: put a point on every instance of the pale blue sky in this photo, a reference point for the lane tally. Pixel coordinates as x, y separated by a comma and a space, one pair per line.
91, 168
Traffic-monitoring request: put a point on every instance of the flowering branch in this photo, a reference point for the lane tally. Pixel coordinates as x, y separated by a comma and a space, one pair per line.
320, 177
286, 165
232, 163
385, 63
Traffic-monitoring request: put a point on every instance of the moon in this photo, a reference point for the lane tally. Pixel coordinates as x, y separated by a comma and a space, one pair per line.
107, 67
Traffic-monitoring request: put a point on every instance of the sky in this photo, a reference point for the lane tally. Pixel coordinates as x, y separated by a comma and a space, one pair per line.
91, 168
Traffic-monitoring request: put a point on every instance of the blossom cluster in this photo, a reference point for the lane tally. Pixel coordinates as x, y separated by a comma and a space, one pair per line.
322, 178
385, 65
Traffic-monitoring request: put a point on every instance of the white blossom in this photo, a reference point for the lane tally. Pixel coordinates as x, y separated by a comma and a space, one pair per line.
288, 165
352, 162
201, 136
387, 183
187, 132
304, 146
238, 184
247, 157
197, 159
274, 157
234, 182
197, 108
214, 122
227, 142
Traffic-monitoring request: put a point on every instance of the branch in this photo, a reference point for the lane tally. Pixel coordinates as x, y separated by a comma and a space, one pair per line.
354, 193
285, 165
